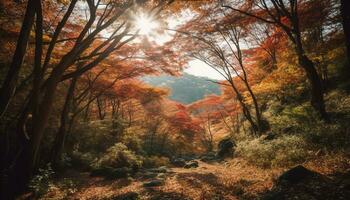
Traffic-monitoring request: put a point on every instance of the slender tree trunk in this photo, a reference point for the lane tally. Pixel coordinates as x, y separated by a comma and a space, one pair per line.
245, 109
345, 12
100, 107
317, 91
9, 85
61, 134
257, 109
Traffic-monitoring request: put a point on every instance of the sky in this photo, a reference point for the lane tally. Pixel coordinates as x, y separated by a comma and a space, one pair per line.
147, 26
199, 68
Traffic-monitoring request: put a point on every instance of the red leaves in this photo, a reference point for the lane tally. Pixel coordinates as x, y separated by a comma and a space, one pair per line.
183, 121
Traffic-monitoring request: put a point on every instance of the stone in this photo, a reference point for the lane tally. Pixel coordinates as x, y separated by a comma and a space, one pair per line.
162, 169
225, 148
149, 175
161, 175
191, 164
154, 183
178, 162
269, 136
208, 158
295, 174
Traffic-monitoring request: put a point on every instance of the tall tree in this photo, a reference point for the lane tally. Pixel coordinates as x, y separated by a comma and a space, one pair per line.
345, 12
9, 85
285, 15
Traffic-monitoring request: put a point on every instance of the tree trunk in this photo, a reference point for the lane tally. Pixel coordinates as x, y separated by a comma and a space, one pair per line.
9, 85
245, 108
317, 91
100, 108
345, 12
62, 131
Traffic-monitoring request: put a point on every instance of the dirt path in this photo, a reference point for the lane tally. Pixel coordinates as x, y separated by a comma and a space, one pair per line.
229, 180
216, 181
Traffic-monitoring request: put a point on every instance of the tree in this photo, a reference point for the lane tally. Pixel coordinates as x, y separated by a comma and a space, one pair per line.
221, 49
72, 49
345, 12
285, 15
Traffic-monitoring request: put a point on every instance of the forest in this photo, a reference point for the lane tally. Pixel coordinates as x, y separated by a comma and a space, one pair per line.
96, 101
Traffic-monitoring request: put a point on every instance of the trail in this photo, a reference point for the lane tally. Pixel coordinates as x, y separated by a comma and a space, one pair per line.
227, 180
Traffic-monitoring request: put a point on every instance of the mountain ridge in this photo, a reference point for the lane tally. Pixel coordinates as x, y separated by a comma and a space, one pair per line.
186, 88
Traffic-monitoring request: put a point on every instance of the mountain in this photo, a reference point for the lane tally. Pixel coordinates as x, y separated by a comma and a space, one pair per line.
185, 89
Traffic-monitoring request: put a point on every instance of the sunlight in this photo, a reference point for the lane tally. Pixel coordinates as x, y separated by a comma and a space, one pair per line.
146, 25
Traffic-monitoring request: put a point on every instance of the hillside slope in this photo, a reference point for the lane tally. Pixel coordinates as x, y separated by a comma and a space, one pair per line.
185, 89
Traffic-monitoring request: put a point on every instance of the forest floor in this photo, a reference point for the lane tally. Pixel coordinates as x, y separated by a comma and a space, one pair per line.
233, 179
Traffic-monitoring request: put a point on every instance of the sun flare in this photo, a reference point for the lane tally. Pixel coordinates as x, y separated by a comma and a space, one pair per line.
145, 24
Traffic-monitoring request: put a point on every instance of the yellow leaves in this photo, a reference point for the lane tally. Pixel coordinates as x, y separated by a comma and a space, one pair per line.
64, 2
285, 76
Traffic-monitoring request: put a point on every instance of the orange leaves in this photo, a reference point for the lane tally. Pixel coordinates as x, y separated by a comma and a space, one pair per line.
183, 121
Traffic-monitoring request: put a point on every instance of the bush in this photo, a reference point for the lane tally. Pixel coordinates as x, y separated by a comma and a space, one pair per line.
83, 161
133, 142
155, 161
119, 156
41, 182
284, 151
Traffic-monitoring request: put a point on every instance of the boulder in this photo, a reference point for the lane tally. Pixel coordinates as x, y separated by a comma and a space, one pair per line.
225, 148
178, 162
269, 136
161, 175
153, 183
295, 175
208, 157
191, 164
162, 169
302, 183
149, 175
188, 158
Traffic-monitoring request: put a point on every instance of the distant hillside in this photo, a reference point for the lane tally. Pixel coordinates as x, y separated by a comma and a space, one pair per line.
185, 89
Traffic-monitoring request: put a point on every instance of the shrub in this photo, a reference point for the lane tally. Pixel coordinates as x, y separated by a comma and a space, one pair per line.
41, 182
83, 160
133, 142
284, 151
119, 156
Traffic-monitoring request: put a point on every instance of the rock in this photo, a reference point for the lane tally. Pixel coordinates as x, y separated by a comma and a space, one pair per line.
207, 158
191, 164
225, 148
302, 183
154, 183
126, 196
162, 169
149, 175
178, 162
188, 158
295, 175
161, 175
211, 156
269, 136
